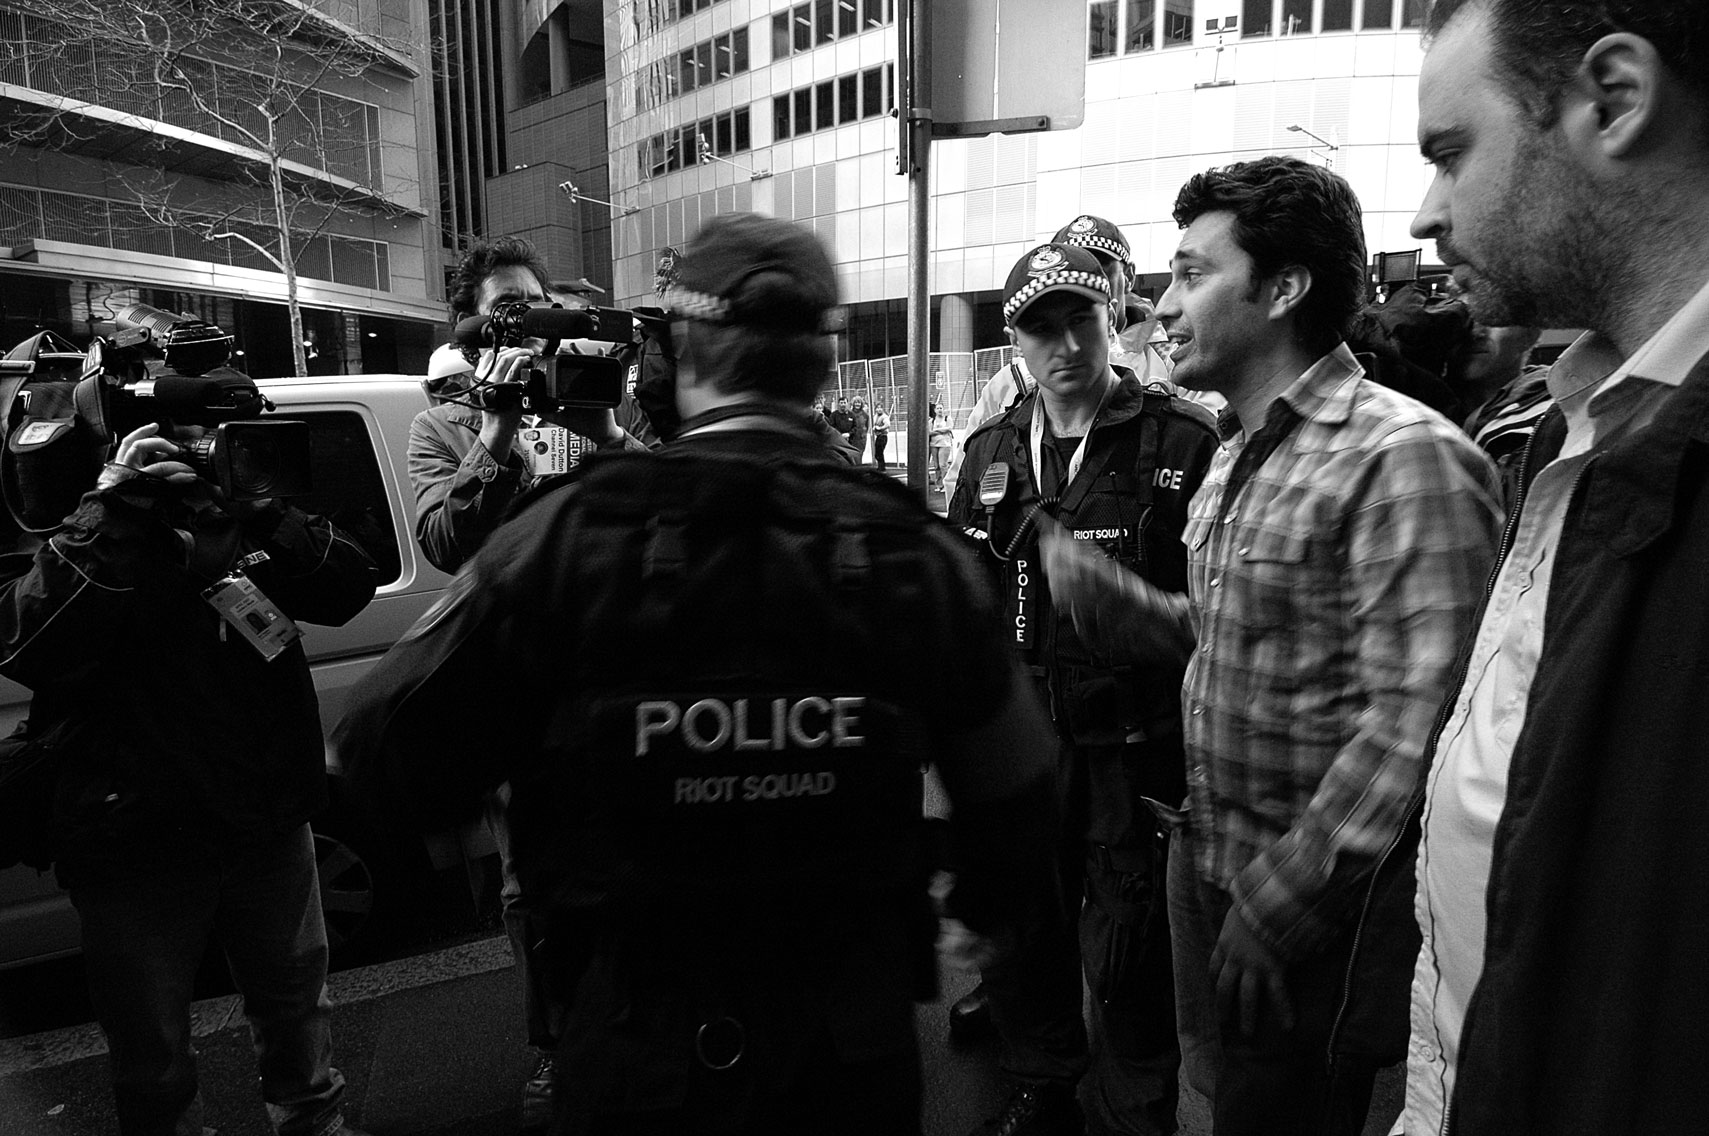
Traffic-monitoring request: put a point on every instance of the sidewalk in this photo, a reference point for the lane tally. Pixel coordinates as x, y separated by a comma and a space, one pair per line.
433, 1046
428, 1046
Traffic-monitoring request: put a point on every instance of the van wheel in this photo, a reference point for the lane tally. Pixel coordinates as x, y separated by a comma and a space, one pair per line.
370, 879
346, 896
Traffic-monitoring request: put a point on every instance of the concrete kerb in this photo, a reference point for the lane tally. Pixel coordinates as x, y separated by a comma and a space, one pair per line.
212, 1015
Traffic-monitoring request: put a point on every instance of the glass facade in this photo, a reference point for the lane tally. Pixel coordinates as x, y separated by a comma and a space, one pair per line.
823, 142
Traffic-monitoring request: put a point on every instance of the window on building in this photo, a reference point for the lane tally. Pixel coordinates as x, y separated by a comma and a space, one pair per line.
685, 67
1296, 17
848, 17
1177, 22
780, 34
780, 117
739, 50
1254, 18
848, 98
872, 92
724, 138
826, 116
877, 13
744, 131
1337, 15
703, 63
1141, 26
889, 87
721, 62
1379, 14
1101, 29
824, 20
804, 110
1412, 13
801, 17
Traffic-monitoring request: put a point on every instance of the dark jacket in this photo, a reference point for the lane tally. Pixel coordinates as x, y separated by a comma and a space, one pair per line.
1588, 1018
697, 587
1167, 443
1146, 457
462, 492
186, 739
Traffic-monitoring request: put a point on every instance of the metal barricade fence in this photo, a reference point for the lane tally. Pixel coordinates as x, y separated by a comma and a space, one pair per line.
957, 378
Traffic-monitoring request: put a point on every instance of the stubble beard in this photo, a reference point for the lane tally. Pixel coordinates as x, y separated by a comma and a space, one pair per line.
1560, 263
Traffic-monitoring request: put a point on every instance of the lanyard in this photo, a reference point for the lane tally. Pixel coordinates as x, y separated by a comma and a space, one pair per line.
1079, 457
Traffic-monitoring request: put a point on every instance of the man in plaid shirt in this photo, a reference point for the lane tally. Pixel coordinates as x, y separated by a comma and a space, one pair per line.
1336, 556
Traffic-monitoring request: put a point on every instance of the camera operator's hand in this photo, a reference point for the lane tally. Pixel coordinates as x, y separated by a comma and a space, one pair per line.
144, 464
501, 408
597, 425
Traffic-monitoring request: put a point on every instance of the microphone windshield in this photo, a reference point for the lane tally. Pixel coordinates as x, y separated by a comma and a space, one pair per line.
993, 484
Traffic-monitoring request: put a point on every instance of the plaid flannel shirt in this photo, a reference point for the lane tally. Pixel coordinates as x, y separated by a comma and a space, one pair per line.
1330, 597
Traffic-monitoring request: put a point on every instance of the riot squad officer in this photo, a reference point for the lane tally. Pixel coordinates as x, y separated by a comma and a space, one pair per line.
726, 651
1101, 466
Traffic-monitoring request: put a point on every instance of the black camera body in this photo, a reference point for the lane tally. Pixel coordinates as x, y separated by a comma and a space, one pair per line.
163, 368
559, 381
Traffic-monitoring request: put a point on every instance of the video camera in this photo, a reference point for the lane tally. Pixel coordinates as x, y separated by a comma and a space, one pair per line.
63, 415
557, 381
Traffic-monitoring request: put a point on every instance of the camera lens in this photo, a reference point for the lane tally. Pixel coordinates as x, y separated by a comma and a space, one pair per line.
256, 462
197, 453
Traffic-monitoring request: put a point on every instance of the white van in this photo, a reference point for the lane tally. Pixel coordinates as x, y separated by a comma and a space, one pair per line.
359, 432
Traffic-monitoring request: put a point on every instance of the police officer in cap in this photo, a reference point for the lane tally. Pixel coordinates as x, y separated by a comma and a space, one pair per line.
726, 650
1013, 382
1088, 477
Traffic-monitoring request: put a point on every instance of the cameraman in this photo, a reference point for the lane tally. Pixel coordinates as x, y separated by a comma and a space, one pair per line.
467, 469
464, 461
188, 768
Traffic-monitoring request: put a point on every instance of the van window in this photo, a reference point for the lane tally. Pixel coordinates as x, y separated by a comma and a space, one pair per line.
348, 489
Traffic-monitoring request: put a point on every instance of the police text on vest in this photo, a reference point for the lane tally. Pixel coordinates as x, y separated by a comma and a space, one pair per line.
711, 724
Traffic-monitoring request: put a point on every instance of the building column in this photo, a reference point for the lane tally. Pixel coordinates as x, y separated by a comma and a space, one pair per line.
558, 40
955, 323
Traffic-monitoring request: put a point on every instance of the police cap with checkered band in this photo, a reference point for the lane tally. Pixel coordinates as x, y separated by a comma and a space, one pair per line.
1097, 234
1050, 268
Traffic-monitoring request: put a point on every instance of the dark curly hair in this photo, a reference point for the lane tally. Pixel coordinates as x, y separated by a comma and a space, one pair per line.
1538, 43
1288, 212
485, 256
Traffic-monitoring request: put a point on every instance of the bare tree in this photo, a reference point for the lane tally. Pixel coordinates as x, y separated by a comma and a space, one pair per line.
262, 76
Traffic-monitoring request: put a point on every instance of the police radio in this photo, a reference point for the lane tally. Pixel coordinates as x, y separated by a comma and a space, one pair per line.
993, 487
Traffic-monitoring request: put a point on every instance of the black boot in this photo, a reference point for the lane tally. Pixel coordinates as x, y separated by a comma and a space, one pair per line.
970, 1017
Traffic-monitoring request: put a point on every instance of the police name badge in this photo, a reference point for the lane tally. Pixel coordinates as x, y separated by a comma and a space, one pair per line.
245, 607
546, 450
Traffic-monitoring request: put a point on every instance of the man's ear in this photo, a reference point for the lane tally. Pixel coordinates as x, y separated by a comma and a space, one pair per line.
1288, 289
1009, 332
1615, 98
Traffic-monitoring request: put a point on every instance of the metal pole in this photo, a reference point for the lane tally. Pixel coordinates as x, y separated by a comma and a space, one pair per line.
917, 39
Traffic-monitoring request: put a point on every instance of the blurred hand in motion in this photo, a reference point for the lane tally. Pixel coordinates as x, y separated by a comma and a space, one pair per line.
1112, 609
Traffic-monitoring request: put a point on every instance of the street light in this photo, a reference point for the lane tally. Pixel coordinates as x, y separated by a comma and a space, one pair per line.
1298, 129
1325, 143
706, 155
576, 196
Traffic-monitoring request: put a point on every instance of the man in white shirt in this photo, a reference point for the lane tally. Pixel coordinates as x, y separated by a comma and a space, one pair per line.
1563, 895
